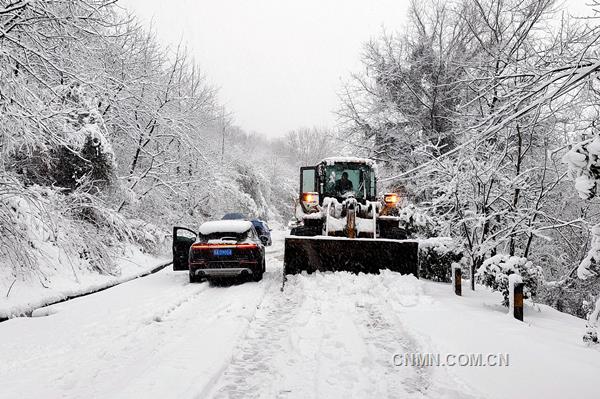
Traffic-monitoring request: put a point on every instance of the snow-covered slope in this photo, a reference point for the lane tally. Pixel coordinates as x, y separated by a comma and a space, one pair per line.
26, 294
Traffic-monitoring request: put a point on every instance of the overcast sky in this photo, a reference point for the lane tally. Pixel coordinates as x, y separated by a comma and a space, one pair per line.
278, 63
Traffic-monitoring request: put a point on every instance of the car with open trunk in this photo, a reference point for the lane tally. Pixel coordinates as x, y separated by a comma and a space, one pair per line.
221, 249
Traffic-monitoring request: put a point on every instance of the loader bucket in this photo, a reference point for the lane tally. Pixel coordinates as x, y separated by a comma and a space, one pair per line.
353, 255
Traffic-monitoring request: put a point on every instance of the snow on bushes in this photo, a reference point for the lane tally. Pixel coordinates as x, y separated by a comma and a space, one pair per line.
590, 265
583, 161
80, 153
416, 222
57, 235
436, 256
495, 272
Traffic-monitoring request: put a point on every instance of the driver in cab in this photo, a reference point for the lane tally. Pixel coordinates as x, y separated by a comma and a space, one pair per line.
344, 185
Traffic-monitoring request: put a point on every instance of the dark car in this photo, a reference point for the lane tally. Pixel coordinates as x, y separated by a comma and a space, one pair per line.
233, 216
225, 248
263, 229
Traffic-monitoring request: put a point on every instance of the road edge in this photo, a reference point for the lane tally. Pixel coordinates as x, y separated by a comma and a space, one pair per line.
28, 312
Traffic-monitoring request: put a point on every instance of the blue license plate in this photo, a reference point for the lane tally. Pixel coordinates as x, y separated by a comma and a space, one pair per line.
222, 252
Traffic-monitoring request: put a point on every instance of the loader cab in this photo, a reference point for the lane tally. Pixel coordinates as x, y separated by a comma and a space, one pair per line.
340, 178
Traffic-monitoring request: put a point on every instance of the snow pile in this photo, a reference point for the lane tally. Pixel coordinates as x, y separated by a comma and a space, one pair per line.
495, 272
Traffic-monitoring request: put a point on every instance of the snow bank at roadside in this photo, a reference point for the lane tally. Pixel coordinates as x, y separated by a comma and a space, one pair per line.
548, 358
20, 296
60, 245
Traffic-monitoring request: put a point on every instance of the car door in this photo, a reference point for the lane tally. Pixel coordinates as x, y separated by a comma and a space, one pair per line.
183, 238
255, 236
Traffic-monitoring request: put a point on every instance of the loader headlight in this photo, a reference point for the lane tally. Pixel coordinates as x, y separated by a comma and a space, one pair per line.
310, 198
310, 202
391, 199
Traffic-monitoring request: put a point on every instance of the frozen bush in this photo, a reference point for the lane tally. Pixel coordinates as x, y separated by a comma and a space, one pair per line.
417, 223
583, 161
494, 273
436, 256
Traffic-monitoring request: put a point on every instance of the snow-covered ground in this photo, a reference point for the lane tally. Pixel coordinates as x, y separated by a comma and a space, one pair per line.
22, 295
331, 335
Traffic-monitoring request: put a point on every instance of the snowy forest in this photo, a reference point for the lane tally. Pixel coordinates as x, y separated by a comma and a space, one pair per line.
486, 113
108, 137
483, 113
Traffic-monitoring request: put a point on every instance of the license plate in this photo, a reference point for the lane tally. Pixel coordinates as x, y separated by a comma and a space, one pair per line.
222, 252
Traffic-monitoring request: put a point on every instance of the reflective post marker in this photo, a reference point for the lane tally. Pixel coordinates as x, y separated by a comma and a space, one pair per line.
518, 301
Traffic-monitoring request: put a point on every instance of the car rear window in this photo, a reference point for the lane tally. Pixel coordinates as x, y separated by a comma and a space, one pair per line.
222, 236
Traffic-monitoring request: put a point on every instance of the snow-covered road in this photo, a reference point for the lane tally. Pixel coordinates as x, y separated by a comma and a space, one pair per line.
330, 335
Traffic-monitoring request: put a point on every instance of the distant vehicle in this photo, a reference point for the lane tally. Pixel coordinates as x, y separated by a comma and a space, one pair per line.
223, 248
233, 216
263, 229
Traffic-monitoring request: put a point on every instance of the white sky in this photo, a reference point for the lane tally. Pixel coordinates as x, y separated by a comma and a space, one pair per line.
279, 64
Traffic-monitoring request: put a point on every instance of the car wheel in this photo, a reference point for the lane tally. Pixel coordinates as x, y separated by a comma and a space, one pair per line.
257, 276
194, 279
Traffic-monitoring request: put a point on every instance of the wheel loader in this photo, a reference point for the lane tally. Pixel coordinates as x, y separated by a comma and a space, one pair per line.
342, 224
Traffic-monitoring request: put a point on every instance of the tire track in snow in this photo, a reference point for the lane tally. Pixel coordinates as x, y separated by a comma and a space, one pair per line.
314, 341
251, 366
332, 335
426, 382
183, 334
270, 283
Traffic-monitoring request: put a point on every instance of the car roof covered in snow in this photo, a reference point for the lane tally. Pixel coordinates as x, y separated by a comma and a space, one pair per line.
334, 160
225, 226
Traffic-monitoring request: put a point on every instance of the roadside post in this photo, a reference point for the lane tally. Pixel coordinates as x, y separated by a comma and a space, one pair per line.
518, 304
515, 296
457, 279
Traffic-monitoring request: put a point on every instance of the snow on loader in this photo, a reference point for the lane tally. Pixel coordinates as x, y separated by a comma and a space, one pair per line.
342, 226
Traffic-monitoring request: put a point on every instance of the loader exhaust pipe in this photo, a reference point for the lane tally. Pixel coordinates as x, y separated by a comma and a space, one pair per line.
351, 221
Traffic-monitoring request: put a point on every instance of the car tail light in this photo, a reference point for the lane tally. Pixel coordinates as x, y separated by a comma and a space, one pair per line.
213, 246
391, 199
247, 246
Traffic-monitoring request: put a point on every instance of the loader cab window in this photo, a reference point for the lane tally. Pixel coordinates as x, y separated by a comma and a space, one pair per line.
346, 180
371, 187
308, 180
